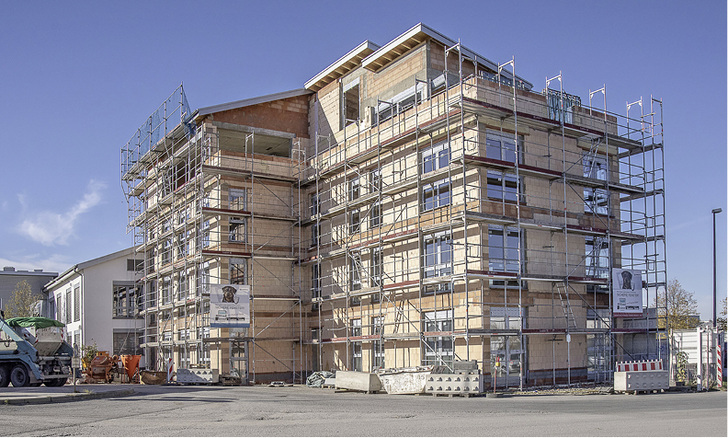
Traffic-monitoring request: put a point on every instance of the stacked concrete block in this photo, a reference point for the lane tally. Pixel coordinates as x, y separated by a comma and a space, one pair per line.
463, 383
193, 376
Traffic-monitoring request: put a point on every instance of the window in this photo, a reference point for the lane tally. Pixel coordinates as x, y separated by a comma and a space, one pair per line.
596, 200
76, 303
126, 341
504, 186
203, 279
376, 268
502, 146
350, 103
238, 230
167, 251
203, 348
68, 306
166, 290
401, 102
354, 189
354, 224
503, 252
182, 245
598, 346
375, 215
436, 194
315, 231
151, 255
152, 297
507, 349
238, 271
134, 265
314, 204
237, 199
437, 255
126, 301
596, 262
205, 235
182, 285
316, 281
438, 347
354, 271
377, 345
356, 345
554, 105
375, 180
435, 157
166, 224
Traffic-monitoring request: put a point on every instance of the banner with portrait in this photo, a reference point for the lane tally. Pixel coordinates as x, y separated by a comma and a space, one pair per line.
229, 305
627, 297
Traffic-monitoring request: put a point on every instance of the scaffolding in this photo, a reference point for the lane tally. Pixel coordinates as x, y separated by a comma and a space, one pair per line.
480, 220
216, 203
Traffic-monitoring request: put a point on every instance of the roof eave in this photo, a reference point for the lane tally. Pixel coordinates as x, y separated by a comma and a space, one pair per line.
341, 66
419, 33
252, 101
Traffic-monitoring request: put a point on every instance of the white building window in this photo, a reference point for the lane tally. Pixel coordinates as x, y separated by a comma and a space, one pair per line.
377, 344
438, 347
354, 271
126, 301
238, 230
238, 271
502, 146
356, 356
596, 201
76, 303
436, 194
437, 255
503, 250
504, 186
435, 157
237, 199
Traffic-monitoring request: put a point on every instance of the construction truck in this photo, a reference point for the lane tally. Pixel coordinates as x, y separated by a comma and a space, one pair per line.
33, 352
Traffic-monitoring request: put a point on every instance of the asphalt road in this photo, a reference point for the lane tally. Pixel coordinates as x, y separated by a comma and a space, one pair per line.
301, 411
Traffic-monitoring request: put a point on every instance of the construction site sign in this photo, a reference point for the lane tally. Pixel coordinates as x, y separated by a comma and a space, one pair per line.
627, 293
229, 305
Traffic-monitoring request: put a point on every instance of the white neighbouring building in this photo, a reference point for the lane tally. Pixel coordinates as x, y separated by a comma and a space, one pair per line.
99, 303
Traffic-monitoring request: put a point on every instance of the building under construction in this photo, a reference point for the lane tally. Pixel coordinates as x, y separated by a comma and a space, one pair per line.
414, 204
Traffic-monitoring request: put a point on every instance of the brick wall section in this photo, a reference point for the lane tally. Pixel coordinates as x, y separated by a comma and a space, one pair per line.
288, 115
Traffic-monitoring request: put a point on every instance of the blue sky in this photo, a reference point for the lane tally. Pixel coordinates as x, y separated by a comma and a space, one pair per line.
78, 78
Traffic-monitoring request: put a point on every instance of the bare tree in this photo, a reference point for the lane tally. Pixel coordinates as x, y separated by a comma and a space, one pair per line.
682, 308
722, 318
21, 300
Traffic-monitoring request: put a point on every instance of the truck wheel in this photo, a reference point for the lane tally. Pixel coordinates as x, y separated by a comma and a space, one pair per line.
19, 376
4, 376
55, 382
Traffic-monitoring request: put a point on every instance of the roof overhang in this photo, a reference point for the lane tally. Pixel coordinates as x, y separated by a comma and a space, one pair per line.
342, 66
417, 35
252, 101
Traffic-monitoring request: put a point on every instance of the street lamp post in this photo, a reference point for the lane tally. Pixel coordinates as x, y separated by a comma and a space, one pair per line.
715, 320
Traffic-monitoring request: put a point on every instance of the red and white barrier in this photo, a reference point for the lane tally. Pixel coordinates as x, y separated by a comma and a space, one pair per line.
640, 365
169, 370
719, 354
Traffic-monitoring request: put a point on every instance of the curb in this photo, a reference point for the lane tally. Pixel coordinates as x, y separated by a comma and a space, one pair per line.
64, 398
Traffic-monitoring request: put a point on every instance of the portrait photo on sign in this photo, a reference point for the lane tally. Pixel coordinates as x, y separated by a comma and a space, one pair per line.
229, 305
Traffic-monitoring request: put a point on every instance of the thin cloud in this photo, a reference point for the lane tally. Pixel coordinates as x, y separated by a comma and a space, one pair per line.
52, 228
